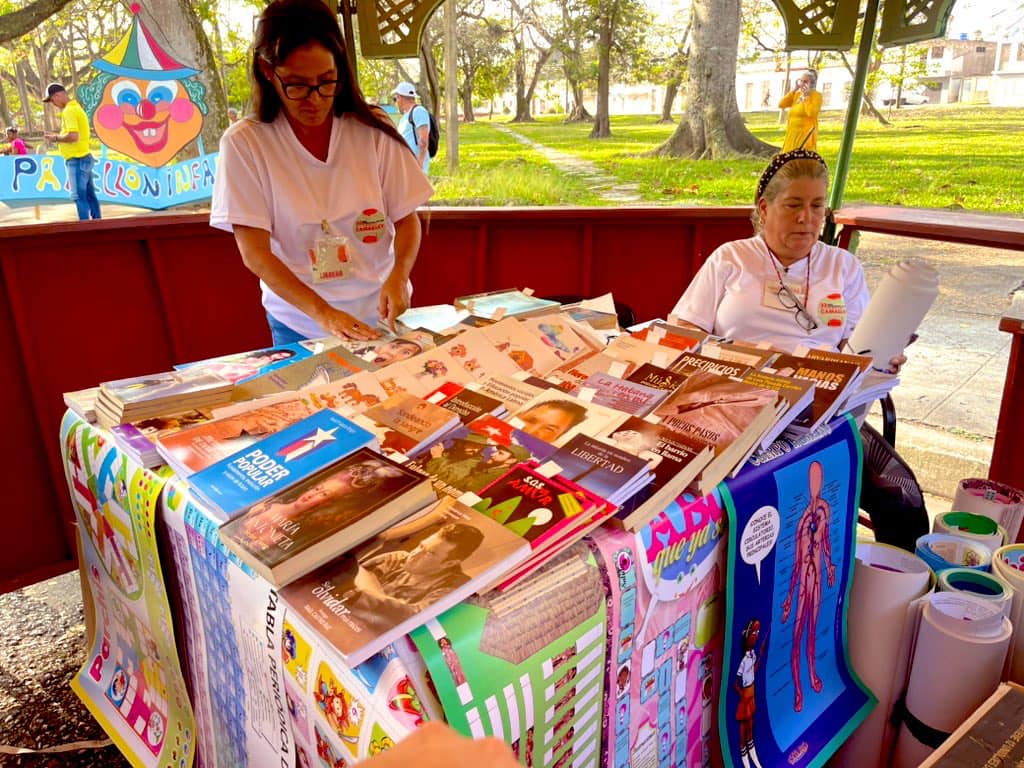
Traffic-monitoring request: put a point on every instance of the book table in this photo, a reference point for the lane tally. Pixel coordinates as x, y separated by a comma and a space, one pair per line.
611, 655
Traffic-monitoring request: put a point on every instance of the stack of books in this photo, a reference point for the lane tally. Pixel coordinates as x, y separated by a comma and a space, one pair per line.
143, 397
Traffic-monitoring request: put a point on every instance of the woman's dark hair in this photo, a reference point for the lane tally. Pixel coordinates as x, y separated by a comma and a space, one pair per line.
286, 25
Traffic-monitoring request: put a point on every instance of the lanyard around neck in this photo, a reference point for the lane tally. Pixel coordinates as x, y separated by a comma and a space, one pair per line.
775, 265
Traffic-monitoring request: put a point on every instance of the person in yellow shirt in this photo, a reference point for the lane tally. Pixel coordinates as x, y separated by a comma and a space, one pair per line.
73, 141
804, 104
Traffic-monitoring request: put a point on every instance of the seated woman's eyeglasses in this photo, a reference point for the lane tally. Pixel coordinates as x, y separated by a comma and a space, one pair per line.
300, 91
789, 300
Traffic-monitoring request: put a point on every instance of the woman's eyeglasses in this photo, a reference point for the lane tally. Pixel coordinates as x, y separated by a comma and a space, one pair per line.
300, 91
789, 300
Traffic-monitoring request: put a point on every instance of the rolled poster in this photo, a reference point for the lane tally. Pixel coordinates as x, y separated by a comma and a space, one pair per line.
896, 309
1001, 502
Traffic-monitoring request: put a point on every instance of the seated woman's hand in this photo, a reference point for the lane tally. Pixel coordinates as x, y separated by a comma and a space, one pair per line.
345, 326
896, 363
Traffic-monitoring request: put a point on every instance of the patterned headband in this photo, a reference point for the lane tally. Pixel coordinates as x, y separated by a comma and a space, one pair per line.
780, 160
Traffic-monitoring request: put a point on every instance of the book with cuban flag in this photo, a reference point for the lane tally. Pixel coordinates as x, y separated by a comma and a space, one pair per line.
277, 462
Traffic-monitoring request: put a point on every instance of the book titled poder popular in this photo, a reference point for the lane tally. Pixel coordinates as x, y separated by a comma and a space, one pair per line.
277, 462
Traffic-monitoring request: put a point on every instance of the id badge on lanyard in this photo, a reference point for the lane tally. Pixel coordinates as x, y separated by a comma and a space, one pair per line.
330, 256
772, 290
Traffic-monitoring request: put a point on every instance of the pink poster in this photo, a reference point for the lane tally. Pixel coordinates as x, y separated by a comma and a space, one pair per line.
666, 607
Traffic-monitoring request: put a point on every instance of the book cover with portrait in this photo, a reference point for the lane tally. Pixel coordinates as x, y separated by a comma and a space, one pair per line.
403, 577
296, 530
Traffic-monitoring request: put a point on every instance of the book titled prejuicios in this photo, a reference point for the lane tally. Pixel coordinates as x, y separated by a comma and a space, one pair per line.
277, 462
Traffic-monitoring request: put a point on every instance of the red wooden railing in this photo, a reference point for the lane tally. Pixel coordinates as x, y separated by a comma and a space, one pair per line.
87, 302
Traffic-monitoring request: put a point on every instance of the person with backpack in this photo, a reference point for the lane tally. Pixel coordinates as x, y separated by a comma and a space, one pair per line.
417, 124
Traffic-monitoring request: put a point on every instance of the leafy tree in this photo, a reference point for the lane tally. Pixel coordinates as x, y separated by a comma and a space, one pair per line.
16, 22
618, 24
484, 61
711, 125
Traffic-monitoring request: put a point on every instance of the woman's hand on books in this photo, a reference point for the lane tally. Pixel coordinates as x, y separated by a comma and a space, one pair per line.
345, 326
394, 298
436, 745
896, 363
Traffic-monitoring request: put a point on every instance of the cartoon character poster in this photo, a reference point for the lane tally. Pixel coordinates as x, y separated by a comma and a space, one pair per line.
790, 696
665, 643
145, 106
131, 681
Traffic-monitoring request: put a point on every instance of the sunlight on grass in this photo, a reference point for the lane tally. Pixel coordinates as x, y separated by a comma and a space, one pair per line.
495, 169
934, 157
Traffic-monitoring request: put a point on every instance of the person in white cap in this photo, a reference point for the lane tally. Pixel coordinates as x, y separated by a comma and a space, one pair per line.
415, 123
317, 186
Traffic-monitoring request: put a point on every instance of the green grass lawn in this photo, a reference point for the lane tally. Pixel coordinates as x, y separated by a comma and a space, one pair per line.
933, 157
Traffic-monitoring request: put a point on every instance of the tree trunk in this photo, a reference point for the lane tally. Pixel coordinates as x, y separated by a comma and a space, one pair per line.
523, 112
467, 101
431, 94
5, 109
577, 112
26, 109
666, 106
181, 34
711, 126
602, 126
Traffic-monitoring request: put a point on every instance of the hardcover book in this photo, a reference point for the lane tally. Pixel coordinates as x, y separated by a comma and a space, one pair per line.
277, 462
328, 513
403, 577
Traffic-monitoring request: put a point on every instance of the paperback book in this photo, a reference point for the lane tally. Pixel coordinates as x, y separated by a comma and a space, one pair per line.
471, 457
328, 513
478, 356
555, 417
603, 469
195, 448
677, 459
832, 380
404, 423
243, 365
620, 394
511, 338
277, 462
495, 305
403, 577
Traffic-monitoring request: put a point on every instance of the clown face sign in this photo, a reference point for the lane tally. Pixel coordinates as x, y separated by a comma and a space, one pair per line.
148, 120
144, 103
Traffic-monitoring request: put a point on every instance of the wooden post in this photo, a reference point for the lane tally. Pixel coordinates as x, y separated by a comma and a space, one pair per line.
451, 85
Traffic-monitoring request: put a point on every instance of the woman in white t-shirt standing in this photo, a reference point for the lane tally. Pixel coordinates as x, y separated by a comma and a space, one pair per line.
317, 186
782, 286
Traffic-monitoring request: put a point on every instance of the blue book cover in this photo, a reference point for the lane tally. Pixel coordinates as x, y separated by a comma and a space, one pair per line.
278, 461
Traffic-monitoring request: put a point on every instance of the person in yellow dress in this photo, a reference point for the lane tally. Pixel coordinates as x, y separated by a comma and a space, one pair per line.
804, 104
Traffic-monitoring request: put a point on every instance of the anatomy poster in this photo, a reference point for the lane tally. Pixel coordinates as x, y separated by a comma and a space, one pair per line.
789, 695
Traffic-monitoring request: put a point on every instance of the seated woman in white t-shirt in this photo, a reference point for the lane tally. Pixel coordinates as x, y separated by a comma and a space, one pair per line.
316, 163
782, 286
